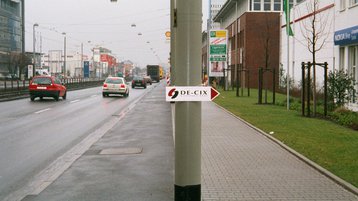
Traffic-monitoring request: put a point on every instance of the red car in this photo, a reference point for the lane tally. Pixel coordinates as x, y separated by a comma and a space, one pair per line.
47, 86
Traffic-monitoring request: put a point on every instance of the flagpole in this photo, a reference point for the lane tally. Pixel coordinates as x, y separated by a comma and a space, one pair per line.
288, 71
288, 31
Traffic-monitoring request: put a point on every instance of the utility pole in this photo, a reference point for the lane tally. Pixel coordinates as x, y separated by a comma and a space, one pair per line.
82, 66
188, 114
64, 57
208, 25
172, 41
33, 52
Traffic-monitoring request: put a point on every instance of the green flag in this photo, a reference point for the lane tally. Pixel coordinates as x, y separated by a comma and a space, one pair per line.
286, 9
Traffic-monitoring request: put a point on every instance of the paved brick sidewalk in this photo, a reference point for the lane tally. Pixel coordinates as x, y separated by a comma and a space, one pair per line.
239, 163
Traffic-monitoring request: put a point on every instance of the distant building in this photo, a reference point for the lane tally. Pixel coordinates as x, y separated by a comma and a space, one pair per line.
128, 67
53, 63
104, 62
214, 9
11, 33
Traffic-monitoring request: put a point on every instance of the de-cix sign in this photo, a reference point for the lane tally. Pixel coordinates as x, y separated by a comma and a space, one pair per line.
190, 93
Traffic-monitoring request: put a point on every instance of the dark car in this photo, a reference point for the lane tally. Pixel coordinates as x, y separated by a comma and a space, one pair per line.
139, 81
46, 86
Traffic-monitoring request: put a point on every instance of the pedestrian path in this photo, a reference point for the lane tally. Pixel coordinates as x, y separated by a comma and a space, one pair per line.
239, 163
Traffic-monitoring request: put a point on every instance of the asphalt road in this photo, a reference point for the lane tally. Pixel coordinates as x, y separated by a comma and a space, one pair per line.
34, 134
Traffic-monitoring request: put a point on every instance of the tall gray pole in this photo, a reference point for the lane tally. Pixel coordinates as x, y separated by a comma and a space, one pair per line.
208, 43
64, 56
82, 66
33, 52
188, 114
23, 26
172, 41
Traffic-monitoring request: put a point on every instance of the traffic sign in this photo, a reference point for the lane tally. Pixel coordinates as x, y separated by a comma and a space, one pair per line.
189, 93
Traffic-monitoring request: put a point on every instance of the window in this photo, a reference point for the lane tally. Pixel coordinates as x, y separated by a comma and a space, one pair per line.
257, 5
352, 59
42, 80
341, 58
277, 5
267, 5
342, 5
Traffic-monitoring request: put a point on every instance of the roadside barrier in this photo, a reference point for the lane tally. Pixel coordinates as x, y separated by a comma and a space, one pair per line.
16, 89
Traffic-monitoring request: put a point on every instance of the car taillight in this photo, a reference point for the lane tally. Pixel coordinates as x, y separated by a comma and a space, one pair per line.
143, 82
123, 86
104, 85
132, 81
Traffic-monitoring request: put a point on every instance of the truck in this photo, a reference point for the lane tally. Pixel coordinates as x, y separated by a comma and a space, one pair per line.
161, 72
154, 72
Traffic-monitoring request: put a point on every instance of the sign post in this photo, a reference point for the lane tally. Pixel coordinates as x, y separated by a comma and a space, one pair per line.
86, 71
30, 71
217, 52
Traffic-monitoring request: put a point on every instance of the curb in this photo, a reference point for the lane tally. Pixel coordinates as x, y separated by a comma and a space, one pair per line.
349, 187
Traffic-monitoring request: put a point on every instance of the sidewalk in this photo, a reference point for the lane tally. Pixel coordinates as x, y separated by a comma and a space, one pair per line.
238, 162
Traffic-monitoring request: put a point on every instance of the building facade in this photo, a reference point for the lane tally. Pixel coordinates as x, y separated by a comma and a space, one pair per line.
346, 37
297, 49
11, 34
215, 7
337, 42
254, 38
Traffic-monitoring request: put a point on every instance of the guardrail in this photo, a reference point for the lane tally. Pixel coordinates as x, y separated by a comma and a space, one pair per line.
15, 89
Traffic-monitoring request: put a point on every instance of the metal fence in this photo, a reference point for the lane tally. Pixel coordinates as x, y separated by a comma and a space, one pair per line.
12, 88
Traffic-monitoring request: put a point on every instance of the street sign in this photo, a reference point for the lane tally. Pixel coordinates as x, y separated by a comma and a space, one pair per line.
86, 71
218, 41
218, 58
29, 71
189, 93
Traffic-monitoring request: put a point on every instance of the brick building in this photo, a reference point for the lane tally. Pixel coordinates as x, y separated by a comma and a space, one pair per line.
253, 40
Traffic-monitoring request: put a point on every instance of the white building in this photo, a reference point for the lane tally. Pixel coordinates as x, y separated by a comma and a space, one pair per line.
338, 26
346, 36
301, 17
215, 7
54, 61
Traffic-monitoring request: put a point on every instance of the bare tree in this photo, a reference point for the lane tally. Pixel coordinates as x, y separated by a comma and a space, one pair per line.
316, 35
18, 60
266, 48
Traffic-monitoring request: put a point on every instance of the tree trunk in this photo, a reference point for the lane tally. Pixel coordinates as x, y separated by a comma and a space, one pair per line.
314, 87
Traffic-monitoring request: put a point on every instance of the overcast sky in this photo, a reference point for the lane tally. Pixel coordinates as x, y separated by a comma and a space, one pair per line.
102, 23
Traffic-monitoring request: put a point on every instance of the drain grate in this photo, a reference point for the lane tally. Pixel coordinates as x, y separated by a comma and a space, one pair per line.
121, 151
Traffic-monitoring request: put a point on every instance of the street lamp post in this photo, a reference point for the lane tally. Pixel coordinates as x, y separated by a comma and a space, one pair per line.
33, 52
64, 56
82, 66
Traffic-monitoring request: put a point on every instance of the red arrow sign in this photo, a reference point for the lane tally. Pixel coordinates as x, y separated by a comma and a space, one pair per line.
214, 93
190, 93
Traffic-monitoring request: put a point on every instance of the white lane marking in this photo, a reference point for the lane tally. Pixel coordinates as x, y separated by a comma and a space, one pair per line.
74, 101
93, 96
44, 110
48, 175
